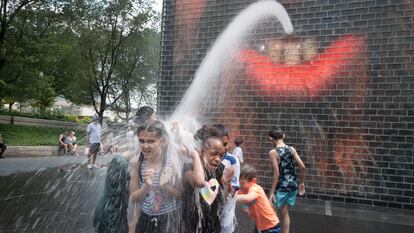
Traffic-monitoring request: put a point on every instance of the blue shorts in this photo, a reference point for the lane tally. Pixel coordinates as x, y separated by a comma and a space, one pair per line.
275, 229
285, 198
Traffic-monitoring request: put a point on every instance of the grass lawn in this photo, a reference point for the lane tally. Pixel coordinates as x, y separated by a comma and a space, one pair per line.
18, 135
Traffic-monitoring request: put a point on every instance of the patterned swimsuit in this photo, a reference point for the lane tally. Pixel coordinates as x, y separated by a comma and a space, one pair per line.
157, 201
287, 180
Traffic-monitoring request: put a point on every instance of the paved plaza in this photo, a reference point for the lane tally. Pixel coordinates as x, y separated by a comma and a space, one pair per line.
59, 194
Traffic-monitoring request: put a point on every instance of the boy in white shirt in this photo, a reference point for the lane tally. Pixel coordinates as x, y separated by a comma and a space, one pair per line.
238, 152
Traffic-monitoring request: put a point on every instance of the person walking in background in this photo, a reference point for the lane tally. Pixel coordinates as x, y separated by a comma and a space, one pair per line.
2, 147
255, 202
238, 152
130, 133
284, 184
130, 137
94, 140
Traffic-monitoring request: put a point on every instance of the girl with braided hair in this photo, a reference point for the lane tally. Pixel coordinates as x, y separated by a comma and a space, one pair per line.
111, 213
202, 206
154, 180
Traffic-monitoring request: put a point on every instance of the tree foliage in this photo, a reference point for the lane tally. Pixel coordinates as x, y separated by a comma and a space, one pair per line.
113, 39
100, 53
28, 52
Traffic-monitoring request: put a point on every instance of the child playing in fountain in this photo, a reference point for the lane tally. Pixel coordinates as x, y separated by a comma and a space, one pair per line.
228, 219
153, 183
284, 184
110, 215
259, 208
238, 151
202, 206
144, 115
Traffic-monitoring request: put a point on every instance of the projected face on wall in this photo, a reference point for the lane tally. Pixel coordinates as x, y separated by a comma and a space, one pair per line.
296, 68
319, 85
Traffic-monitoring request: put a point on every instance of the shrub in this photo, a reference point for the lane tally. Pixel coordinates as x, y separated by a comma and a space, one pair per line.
72, 118
48, 115
18, 135
85, 120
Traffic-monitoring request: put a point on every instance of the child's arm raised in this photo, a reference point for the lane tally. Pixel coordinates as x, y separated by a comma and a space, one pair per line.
302, 171
196, 175
198, 171
274, 158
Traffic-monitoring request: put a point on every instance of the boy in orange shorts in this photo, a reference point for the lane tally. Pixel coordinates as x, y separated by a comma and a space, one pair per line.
252, 195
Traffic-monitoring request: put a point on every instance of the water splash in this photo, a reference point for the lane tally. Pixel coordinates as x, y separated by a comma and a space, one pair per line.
183, 121
220, 55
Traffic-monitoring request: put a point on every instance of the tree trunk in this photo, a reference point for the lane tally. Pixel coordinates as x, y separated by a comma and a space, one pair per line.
11, 107
100, 114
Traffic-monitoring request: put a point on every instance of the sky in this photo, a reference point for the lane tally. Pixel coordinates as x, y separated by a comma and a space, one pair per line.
158, 5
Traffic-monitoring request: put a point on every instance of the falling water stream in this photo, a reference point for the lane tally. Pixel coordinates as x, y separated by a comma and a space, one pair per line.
221, 53
214, 63
218, 58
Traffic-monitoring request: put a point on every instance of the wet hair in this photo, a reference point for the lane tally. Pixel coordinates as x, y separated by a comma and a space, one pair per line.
238, 141
222, 130
276, 133
143, 114
110, 215
156, 126
161, 131
206, 132
248, 172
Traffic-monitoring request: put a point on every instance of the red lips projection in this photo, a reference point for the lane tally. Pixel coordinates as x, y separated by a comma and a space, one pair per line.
306, 79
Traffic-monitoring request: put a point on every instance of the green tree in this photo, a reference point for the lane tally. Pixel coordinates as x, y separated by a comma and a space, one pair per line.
109, 34
8, 11
29, 52
138, 73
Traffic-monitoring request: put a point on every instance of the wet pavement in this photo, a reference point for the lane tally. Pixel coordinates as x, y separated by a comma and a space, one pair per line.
52, 194
13, 165
58, 194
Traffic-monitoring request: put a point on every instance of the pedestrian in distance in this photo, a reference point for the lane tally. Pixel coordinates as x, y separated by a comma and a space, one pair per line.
238, 151
94, 140
3, 147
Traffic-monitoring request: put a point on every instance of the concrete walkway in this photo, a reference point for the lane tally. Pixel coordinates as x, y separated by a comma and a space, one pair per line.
36, 151
17, 165
59, 194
